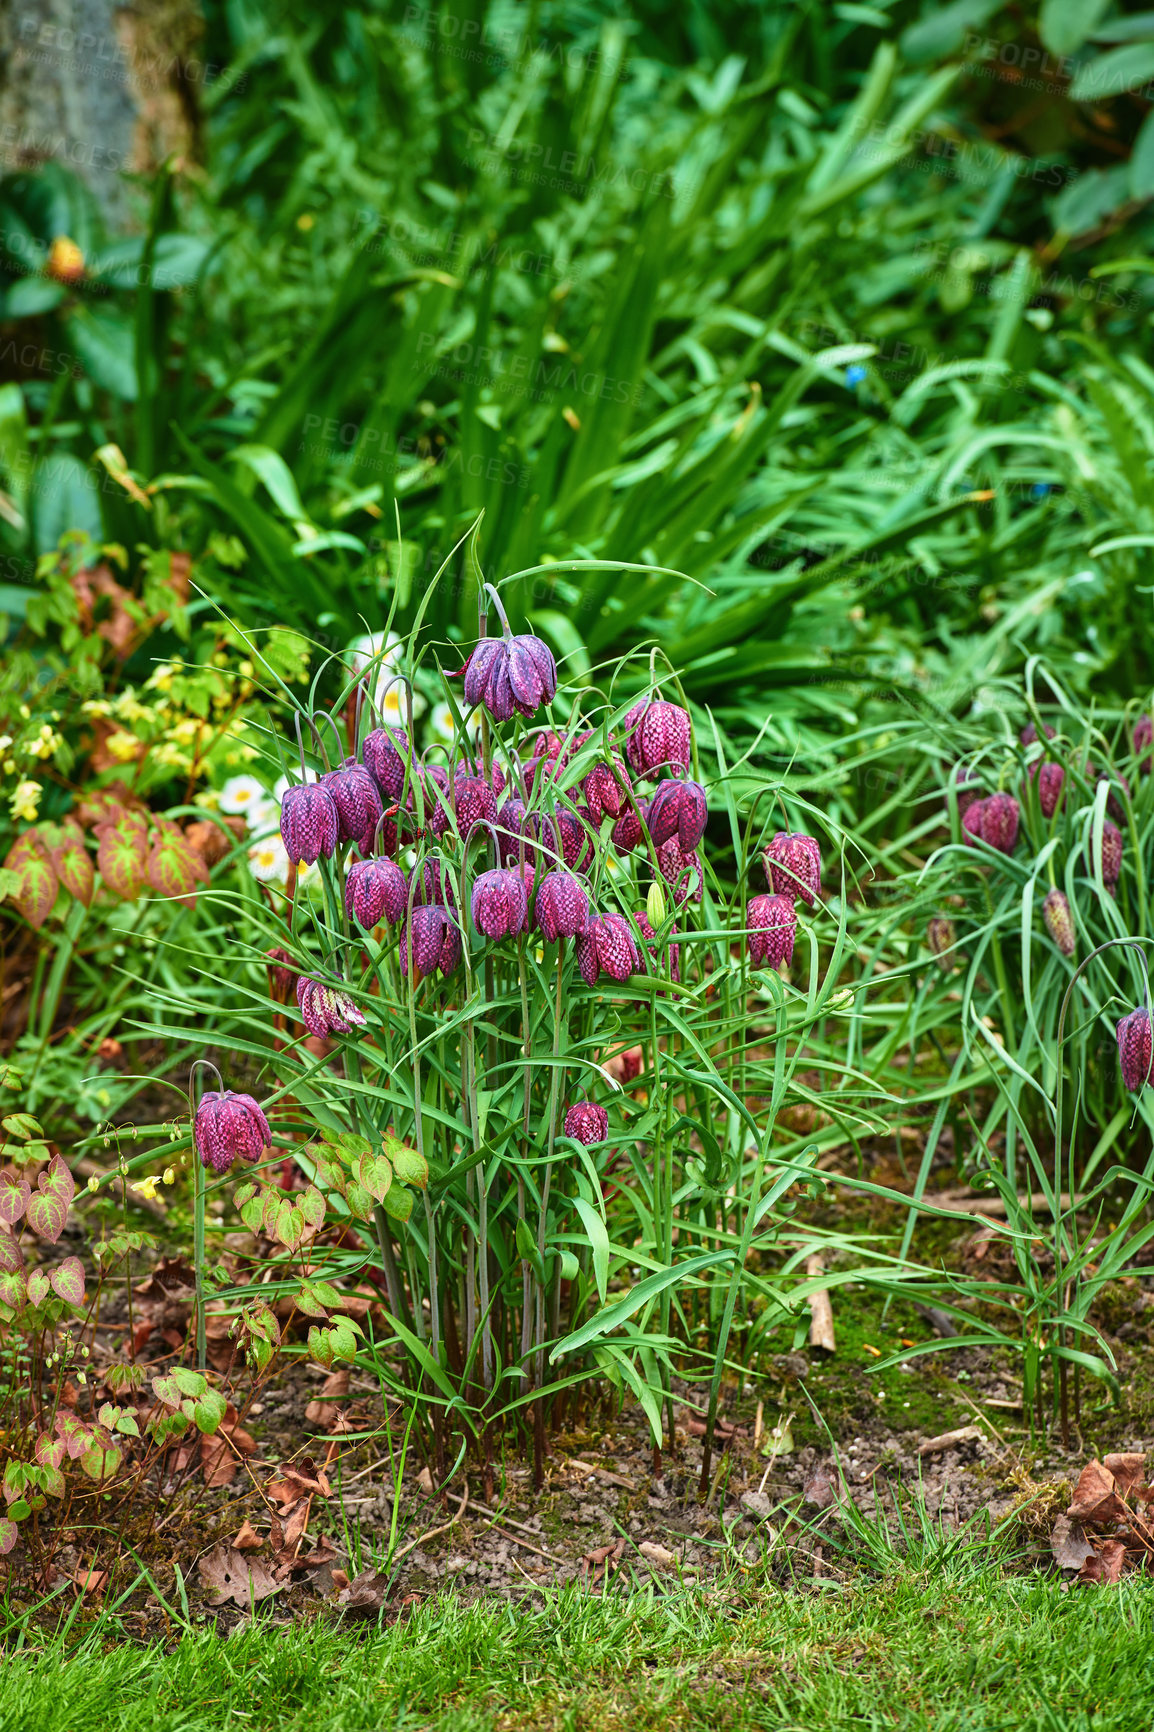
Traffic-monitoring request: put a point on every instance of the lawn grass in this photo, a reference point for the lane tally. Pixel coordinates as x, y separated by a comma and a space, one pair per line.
962, 1652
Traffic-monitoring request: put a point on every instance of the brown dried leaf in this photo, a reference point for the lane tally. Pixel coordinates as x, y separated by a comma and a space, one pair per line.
365, 1594
294, 1527
1128, 1470
321, 1409
228, 1575
1106, 1565
1069, 1545
1095, 1499
247, 1540
171, 1275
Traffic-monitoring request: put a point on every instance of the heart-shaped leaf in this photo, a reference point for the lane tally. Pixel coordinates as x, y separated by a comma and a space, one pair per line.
398, 1203
68, 1281
11, 1256
13, 1290
375, 1174
122, 856
14, 1194
173, 869
47, 1209
410, 1167
9, 1534
289, 1226
39, 1287
37, 884
73, 865
49, 1450
76, 1435
101, 1460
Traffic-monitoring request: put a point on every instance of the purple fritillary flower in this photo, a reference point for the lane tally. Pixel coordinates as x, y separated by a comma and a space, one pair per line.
562, 906
1030, 733
387, 753
793, 866
772, 922
1143, 740
325, 1009
1059, 922
500, 903
1051, 779
509, 674
972, 821
968, 783
683, 870
587, 1123
228, 1126
434, 885
627, 833
567, 829
605, 945
998, 822
547, 757
357, 799
1135, 1050
431, 941
606, 786
309, 823
376, 891
678, 810
659, 737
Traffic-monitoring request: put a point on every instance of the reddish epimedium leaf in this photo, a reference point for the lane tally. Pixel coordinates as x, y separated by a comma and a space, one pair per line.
9, 1534
68, 1281
47, 1209
39, 1287
37, 884
13, 1287
14, 1194
173, 869
122, 856
74, 866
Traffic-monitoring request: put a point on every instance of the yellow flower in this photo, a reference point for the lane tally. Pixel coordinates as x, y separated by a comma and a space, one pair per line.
187, 730
123, 747
146, 1188
169, 1176
94, 1183
25, 801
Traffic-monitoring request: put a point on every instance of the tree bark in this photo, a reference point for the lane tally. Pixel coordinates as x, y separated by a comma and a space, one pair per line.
107, 90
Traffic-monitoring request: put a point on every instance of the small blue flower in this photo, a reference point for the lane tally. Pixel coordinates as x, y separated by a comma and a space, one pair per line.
854, 375
1041, 489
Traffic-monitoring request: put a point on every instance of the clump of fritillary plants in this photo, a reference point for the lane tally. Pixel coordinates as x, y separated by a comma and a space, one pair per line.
523, 1043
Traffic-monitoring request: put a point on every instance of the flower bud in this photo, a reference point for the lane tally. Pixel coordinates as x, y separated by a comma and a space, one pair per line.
508, 674
678, 809
309, 823
655, 905
376, 891
627, 832
772, 922
659, 737
940, 938
325, 1009
229, 1125
606, 786
793, 866
1135, 1050
499, 903
475, 803
1000, 817
562, 906
357, 800
1059, 922
587, 1123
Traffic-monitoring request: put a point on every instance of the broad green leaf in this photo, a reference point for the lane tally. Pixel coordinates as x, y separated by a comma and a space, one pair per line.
1064, 25
1121, 71
410, 1167
398, 1203
598, 1243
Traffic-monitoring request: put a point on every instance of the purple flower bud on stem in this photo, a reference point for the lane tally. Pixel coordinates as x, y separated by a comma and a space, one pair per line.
587, 1123
430, 941
386, 752
605, 945
309, 823
659, 736
772, 922
681, 810
376, 891
793, 866
325, 1009
357, 799
1059, 921
500, 903
1111, 853
562, 906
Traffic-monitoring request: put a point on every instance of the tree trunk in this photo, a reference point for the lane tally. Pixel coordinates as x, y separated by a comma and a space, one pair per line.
106, 90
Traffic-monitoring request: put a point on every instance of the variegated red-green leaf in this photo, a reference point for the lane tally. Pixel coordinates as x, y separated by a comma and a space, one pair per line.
73, 865
49, 1450
36, 876
48, 1205
410, 1166
312, 1206
76, 1435
68, 1281
102, 1459
122, 856
375, 1174
39, 1287
9, 1534
359, 1201
11, 1256
289, 1226
13, 1290
14, 1194
398, 1203
173, 869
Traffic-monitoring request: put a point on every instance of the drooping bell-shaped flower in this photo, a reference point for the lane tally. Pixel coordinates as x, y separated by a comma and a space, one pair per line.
228, 1127
682, 870
387, 752
562, 906
281, 973
606, 786
376, 891
793, 866
1135, 1049
995, 821
508, 674
772, 922
627, 833
587, 1123
326, 1009
1051, 778
430, 941
434, 885
547, 755
605, 945
659, 736
357, 799
679, 810
500, 903
309, 823
1059, 920
476, 804
650, 937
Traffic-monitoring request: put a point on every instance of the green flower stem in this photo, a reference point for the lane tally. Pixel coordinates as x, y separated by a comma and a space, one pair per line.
198, 1199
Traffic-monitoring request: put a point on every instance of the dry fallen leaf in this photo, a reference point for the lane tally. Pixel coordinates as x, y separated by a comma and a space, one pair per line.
1069, 1545
1129, 1472
365, 1594
1106, 1565
228, 1575
1095, 1498
322, 1408
247, 1540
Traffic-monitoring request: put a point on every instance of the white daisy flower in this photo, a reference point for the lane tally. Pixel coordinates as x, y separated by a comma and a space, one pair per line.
242, 795
385, 653
283, 783
442, 729
269, 862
